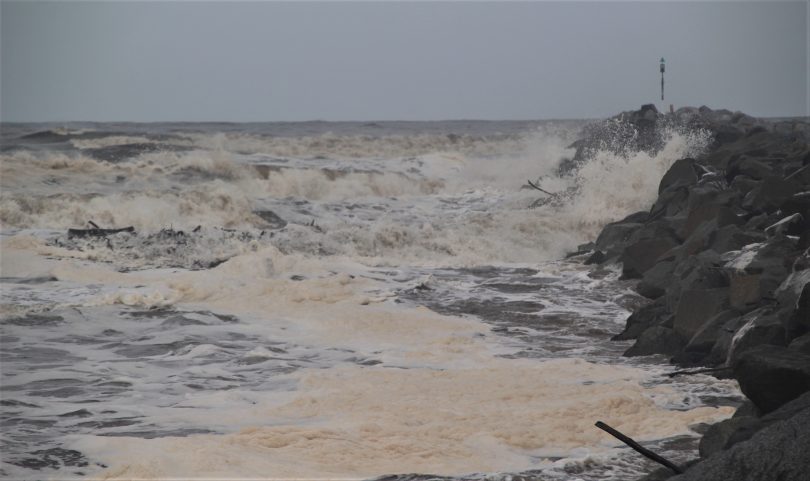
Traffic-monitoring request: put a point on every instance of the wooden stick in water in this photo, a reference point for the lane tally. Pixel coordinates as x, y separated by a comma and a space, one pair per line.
639, 448
698, 371
538, 187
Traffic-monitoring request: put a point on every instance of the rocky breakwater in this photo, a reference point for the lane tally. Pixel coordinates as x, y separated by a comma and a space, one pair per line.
724, 257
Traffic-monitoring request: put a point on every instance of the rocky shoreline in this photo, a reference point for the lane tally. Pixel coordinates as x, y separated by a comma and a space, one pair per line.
723, 255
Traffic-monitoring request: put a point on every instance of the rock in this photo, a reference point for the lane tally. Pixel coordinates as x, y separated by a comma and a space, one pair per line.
790, 225
672, 202
799, 203
775, 453
701, 271
680, 174
656, 279
704, 195
747, 408
750, 167
760, 221
762, 326
657, 340
639, 217
719, 435
696, 307
801, 175
659, 474
642, 255
770, 376
641, 319
709, 204
719, 354
744, 431
727, 216
801, 344
788, 410
597, 257
614, 237
798, 322
699, 240
743, 184
772, 260
274, 221
705, 338
744, 291
658, 229
770, 195
732, 237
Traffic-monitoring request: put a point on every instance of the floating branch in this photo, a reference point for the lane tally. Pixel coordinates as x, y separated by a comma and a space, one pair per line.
687, 372
638, 448
535, 186
97, 232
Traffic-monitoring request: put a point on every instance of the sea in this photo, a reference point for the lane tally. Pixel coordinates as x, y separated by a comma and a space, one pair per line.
327, 301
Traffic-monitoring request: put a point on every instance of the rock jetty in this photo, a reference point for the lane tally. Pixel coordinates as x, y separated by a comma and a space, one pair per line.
723, 255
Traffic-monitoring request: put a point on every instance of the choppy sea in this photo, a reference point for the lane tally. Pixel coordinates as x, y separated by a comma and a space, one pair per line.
326, 300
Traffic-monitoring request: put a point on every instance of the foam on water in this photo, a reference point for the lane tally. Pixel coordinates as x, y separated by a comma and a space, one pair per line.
360, 423
376, 305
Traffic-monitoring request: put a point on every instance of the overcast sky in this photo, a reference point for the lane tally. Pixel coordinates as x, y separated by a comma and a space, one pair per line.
234, 61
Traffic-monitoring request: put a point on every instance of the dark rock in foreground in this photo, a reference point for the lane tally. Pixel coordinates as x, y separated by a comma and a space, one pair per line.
777, 452
770, 376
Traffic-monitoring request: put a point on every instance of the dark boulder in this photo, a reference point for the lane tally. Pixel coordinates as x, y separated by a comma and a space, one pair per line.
706, 204
801, 344
790, 225
680, 174
696, 307
657, 340
760, 221
670, 203
719, 354
772, 260
706, 337
639, 217
614, 237
701, 271
799, 203
597, 257
801, 174
747, 408
723, 435
699, 240
743, 184
655, 281
762, 326
750, 167
271, 218
770, 376
798, 301
732, 238
642, 255
641, 319
775, 453
744, 291
769, 195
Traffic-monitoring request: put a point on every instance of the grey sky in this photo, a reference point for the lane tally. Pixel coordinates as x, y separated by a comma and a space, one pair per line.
396, 61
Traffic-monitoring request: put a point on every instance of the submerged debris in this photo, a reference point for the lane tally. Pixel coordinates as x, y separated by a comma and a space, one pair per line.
201, 248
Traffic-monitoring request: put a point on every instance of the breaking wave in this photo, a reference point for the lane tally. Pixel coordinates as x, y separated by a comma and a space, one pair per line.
449, 208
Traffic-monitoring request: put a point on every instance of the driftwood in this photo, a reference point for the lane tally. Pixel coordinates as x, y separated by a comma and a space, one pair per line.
638, 448
97, 232
537, 187
687, 372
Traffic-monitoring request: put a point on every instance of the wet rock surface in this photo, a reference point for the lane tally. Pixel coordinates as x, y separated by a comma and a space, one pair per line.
728, 268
